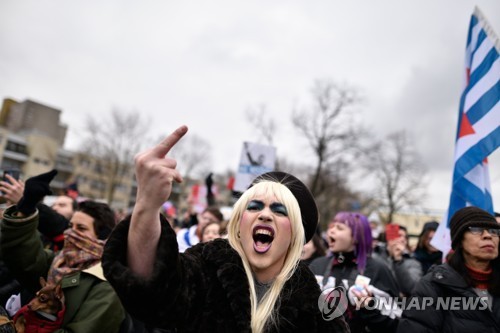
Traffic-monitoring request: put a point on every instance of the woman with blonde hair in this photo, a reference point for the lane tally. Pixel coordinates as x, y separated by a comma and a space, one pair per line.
251, 282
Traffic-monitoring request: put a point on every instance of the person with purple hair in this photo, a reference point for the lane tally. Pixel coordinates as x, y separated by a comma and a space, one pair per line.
350, 242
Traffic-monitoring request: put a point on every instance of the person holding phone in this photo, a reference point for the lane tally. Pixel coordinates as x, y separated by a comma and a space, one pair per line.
396, 254
11, 187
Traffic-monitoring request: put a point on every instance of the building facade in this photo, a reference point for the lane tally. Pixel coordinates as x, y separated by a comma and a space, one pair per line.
32, 140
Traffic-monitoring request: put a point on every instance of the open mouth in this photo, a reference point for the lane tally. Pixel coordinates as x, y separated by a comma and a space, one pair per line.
263, 237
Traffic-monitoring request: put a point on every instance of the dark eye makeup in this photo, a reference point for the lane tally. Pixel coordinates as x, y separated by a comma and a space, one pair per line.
255, 205
279, 209
276, 207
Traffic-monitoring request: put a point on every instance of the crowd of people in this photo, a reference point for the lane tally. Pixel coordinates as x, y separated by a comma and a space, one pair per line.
268, 268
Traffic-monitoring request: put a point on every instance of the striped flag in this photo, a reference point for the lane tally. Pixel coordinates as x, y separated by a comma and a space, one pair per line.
478, 133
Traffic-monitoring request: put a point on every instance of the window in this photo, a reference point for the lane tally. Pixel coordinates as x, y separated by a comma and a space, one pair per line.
16, 147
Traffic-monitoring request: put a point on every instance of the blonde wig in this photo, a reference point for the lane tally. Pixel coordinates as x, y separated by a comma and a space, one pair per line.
263, 313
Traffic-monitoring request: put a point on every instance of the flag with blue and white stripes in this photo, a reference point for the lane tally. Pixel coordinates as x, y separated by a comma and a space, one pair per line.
478, 133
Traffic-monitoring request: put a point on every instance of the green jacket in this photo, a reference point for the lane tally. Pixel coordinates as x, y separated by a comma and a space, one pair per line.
91, 303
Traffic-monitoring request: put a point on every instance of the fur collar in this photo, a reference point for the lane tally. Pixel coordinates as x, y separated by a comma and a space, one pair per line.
299, 296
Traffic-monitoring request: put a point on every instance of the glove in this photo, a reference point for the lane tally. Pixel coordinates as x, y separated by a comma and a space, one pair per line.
34, 190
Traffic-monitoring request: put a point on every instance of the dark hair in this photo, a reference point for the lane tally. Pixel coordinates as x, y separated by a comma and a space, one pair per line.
215, 212
428, 227
104, 218
457, 262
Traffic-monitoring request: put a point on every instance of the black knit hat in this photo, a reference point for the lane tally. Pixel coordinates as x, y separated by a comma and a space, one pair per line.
307, 204
469, 217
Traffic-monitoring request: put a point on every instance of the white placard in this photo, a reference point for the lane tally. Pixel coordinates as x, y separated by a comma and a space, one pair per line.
255, 160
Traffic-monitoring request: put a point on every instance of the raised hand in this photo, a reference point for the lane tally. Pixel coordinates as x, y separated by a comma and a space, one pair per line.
35, 189
396, 249
155, 172
12, 190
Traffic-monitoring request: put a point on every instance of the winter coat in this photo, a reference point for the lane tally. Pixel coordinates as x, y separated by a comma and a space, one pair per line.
380, 277
91, 304
427, 260
206, 289
444, 281
8, 285
407, 271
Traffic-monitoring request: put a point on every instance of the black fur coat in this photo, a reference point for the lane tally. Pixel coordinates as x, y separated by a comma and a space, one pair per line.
206, 289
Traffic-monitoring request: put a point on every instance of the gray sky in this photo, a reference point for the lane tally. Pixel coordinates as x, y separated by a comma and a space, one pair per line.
203, 63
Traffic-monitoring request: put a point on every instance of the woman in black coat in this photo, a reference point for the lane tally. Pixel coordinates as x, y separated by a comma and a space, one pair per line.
464, 294
349, 237
252, 282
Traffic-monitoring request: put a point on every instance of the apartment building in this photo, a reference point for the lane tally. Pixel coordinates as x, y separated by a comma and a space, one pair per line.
32, 140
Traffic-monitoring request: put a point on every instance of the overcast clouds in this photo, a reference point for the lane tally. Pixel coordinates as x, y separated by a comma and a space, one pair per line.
203, 63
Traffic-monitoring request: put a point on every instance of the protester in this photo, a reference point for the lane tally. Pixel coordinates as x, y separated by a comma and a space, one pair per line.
313, 249
210, 232
192, 235
350, 240
472, 276
249, 283
65, 205
396, 254
90, 303
425, 253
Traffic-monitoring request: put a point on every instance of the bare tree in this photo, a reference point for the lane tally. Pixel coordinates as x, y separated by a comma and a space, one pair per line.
113, 143
194, 156
398, 172
330, 128
266, 126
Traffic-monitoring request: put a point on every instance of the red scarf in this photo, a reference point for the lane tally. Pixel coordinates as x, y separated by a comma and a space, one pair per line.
79, 252
480, 279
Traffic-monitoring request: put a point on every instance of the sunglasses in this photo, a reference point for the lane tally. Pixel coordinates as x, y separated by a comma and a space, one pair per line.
479, 231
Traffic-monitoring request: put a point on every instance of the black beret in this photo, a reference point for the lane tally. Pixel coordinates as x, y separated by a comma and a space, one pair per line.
307, 204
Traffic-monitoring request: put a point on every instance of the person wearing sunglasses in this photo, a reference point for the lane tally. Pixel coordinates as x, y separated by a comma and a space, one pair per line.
464, 292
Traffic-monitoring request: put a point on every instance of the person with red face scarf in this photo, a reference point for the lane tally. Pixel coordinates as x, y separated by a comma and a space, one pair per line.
91, 305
